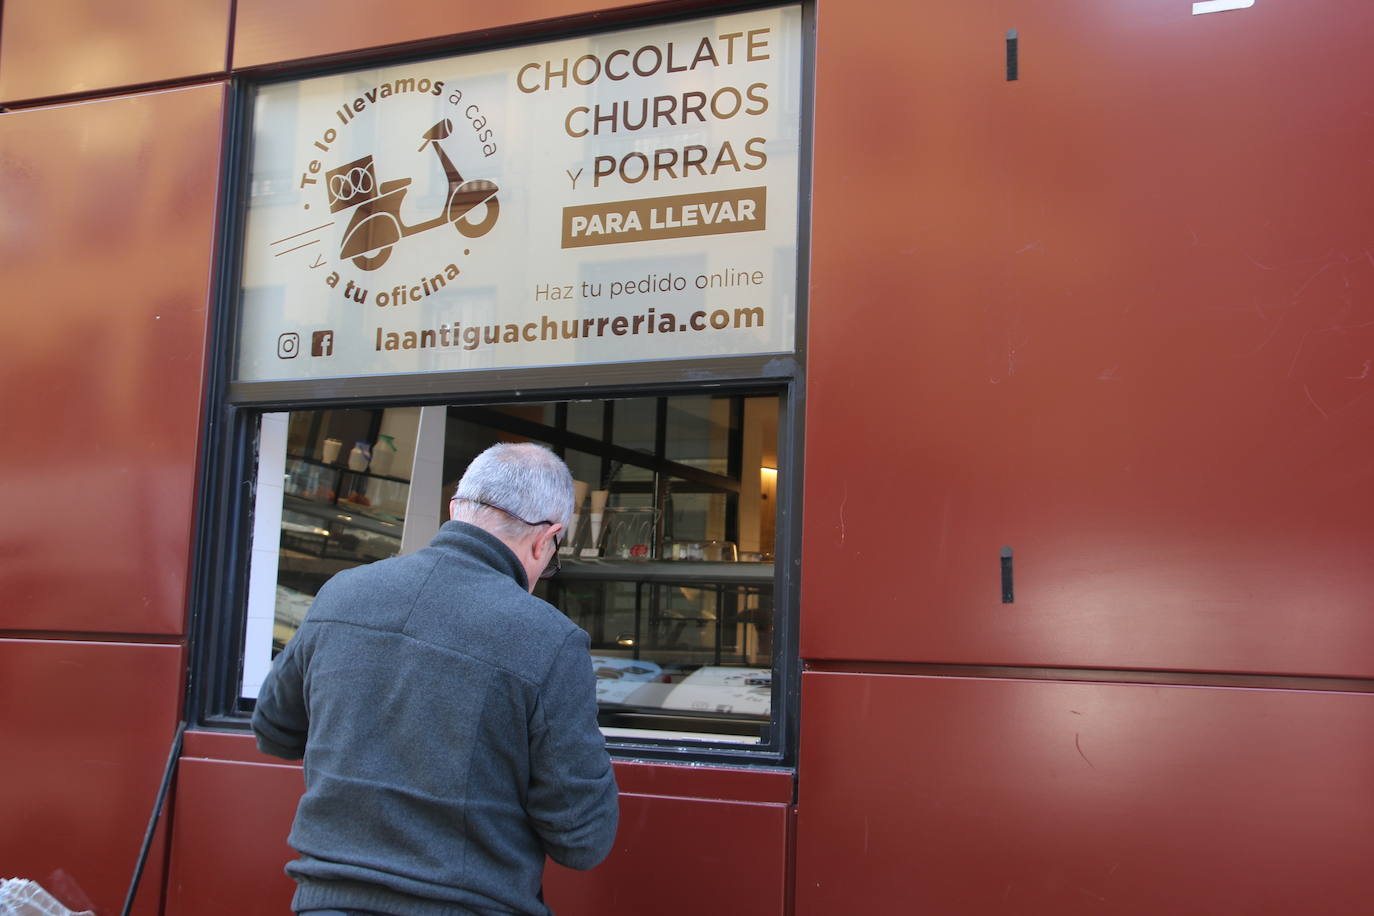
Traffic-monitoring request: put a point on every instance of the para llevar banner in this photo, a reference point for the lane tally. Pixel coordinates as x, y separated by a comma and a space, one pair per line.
624, 196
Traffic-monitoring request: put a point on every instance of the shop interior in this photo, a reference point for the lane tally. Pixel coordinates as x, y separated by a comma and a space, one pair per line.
669, 564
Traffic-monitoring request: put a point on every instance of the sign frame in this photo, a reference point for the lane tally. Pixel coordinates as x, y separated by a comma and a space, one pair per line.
436, 384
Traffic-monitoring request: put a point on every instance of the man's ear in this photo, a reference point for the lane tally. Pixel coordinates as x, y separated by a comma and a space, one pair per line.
553, 532
538, 538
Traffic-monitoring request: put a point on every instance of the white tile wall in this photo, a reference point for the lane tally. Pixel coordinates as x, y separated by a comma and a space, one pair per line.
262, 571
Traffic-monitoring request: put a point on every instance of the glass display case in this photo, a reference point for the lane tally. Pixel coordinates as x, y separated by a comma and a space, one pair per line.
333, 516
682, 646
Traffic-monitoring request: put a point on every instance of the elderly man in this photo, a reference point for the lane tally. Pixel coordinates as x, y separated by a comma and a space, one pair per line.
447, 717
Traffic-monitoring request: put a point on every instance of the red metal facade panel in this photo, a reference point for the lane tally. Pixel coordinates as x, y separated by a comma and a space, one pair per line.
237, 746
1117, 314
634, 777
86, 731
61, 47
229, 848
229, 838
693, 781
968, 797
268, 32
683, 857
107, 211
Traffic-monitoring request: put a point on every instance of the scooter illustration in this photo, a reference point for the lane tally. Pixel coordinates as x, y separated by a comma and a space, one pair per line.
376, 225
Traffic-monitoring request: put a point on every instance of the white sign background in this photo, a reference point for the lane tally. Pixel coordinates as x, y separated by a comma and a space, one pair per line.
722, 126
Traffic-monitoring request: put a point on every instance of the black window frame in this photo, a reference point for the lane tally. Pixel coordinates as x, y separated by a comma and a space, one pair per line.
231, 411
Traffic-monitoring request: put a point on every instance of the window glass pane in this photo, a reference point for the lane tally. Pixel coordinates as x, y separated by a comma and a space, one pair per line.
631, 486
694, 513
463, 441
322, 506
544, 414
631, 473
585, 467
585, 418
682, 620
635, 422
698, 432
668, 565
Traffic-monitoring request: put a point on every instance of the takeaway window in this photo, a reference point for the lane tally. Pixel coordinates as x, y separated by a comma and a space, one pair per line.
669, 566
444, 228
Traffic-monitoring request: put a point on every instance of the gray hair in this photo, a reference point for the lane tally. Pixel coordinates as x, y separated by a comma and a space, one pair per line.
525, 479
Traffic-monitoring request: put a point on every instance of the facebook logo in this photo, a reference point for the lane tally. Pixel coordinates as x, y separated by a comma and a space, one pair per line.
322, 343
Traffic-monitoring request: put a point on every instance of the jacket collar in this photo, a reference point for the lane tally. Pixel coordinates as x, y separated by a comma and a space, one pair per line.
483, 546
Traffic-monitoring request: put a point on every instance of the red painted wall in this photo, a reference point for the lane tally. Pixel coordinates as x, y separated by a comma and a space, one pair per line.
107, 216
64, 47
108, 248
1114, 314
1117, 314
726, 828
962, 795
87, 727
270, 33
231, 823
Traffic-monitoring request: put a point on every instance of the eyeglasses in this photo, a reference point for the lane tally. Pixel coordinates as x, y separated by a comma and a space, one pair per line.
554, 566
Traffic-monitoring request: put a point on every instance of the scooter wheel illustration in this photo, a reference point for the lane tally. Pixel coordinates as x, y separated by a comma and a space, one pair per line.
477, 230
371, 234
363, 262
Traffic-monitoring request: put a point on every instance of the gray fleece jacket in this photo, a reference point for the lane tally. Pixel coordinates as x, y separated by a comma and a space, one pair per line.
447, 719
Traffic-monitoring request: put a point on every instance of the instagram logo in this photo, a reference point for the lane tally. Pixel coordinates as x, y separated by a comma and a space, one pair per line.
322, 343
288, 345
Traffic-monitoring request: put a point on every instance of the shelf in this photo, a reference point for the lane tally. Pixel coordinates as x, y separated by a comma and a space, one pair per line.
344, 513
690, 572
345, 468
294, 561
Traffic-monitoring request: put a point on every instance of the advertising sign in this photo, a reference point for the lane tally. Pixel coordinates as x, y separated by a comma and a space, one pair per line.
617, 197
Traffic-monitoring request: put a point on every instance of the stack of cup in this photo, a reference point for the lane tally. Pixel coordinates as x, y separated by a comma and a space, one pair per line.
579, 496
598, 507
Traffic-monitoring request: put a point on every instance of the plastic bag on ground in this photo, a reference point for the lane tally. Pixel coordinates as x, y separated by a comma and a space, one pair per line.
22, 897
